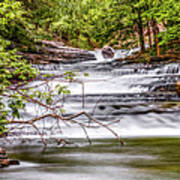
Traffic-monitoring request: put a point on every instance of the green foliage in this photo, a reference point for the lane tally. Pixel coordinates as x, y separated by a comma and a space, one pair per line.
86, 24
13, 69
93, 23
137, 14
13, 72
170, 15
62, 90
14, 25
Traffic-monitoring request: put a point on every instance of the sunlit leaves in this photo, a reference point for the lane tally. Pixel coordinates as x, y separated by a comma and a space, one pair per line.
79, 23
13, 69
13, 22
62, 90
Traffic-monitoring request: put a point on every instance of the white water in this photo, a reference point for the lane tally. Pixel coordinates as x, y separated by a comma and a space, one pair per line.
119, 93
118, 54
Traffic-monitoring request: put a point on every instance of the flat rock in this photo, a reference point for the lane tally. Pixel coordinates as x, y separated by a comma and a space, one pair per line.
52, 51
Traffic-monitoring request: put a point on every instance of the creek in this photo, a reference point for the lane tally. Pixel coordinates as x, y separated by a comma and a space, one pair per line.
140, 98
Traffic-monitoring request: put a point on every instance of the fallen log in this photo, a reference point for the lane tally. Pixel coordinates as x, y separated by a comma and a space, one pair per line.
54, 44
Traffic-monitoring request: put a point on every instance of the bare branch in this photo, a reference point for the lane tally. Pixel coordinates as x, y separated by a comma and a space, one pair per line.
52, 111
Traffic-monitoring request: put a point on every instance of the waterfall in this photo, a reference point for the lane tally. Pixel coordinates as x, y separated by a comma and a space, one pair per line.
139, 97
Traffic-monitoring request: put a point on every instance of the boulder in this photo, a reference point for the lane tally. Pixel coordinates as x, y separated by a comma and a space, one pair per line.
108, 52
178, 88
4, 161
2, 151
8, 162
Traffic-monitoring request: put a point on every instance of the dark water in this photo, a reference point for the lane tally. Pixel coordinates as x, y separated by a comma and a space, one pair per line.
139, 159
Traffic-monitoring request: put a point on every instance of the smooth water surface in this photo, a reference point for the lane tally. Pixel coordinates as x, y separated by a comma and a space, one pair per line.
138, 159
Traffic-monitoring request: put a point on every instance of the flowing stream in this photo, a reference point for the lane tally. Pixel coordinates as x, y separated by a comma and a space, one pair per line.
141, 100
141, 96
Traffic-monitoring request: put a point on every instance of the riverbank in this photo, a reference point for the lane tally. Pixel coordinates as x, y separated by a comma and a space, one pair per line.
171, 55
57, 52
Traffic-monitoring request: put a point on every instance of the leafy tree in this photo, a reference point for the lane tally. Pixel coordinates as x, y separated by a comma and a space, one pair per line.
93, 23
86, 24
14, 71
159, 18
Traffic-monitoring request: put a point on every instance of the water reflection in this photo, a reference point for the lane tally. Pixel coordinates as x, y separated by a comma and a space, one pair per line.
142, 158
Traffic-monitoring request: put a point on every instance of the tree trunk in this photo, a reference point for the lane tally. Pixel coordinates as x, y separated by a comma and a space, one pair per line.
149, 34
157, 46
140, 31
157, 40
155, 34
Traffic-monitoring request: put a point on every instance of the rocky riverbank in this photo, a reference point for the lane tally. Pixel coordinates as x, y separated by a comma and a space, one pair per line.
5, 161
146, 57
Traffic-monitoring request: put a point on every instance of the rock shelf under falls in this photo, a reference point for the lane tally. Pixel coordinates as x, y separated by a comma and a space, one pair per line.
52, 51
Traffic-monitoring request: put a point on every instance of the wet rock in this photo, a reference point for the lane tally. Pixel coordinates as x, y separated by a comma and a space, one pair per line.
8, 162
56, 52
4, 161
2, 151
178, 88
14, 162
108, 52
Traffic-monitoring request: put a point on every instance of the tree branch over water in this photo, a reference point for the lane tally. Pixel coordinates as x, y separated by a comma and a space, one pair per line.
50, 98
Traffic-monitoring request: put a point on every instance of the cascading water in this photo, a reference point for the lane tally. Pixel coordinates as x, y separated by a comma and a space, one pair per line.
134, 99
139, 96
